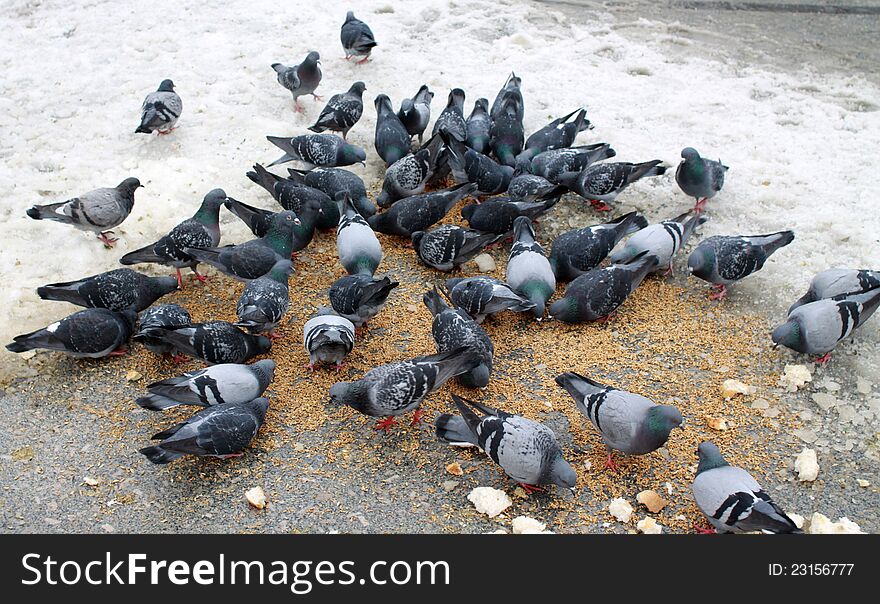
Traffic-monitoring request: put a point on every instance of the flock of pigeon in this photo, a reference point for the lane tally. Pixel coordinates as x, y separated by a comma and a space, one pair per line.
514, 179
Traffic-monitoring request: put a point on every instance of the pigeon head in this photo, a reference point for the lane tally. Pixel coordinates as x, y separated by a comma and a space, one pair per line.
162, 285
128, 186
710, 457
468, 211
478, 377
350, 154
383, 104
701, 262
261, 344
565, 309
789, 335
689, 153
166, 86
265, 371
482, 105
417, 238
259, 406
129, 318
424, 95
312, 59
523, 165
660, 421
562, 474
456, 98
357, 88
353, 394
214, 199
523, 229
349, 16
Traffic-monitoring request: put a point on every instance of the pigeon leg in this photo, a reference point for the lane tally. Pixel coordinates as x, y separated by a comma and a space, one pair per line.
823, 360
339, 366
121, 351
609, 462
362, 61
199, 277
600, 206
230, 455
530, 488
703, 531
385, 424
317, 98
179, 280
607, 317
179, 358
416, 418
720, 292
700, 205
311, 366
109, 242
274, 336
297, 108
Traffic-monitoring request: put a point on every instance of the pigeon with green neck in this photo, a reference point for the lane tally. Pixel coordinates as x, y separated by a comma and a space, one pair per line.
699, 178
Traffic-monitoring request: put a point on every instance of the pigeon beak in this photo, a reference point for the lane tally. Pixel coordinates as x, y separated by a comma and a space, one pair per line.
775, 345
363, 163
297, 221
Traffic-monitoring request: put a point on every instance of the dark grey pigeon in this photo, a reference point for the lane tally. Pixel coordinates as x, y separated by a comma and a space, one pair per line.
558, 134
406, 177
627, 422
415, 113
600, 184
358, 247
722, 260
293, 194
512, 87
527, 451
317, 150
161, 110
265, 300
213, 342
733, 501
359, 298
328, 338
451, 119
663, 240
202, 230
469, 166
97, 211
357, 38
836, 282
219, 431
448, 245
506, 135
529, 273
215, 385
163, 315
397, 388
300, 79
699, 178
531, 187
478, 124
598, 293
555, 162
419, 212
497, 215
573, 253
392, 140
333, 181
259, 221
483, 296
118, 290
453, 328
91, 333
342, 111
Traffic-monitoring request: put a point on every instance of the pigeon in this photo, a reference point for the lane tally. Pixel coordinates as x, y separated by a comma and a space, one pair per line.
333, 181
838, 281
253, 258
699, 178
359, 298
469, 166
221, 431
214, 342
627, 422
558, 134
483, 296
294, 194
342, 111
259, 221
405, 177
448, 245
214, 385
202, 230
722, 260
400, 387
91, 333
478, 124
498, 214
164, 315
506, 135
98, 211
453, 328
317, 151
357, 38
511, 88
265, 300
415, 113
662, 240
328, 338
419, 212
597, 294
161, 110
529, 273
602, 183
392, 138
117, 290
451, 119
573, 253
555, 162
357, 245
526, 450
817, 327
300, 79
733, 501
531, 187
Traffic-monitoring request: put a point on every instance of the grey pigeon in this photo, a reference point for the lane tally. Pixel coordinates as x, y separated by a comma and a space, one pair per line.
469, 166
415, 113
838, 281
91, 333
317, 150
357, 245
118, 290
526, 450
328, 338
556, 162
97, 211
448, 245
294, 194
163, 315
627, 422
333, 181
453, 328
406, 177
359, 298
722, 260
558, 134
161, 110
397, 388
531, 187
483, 296
573, 253
215, 385
478, 124
663, 240
357, 38
419, 212
733, 501
506, 135
529, 273
265, 300
451, 119
202, 230
512, 88
342, 111
497, 215
392, 140
259, 221
598, 293
221, 431
300, 79
699, 178
214, 342
600, 184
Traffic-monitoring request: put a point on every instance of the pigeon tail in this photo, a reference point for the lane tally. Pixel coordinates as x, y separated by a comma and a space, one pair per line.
158, 455
156, 402
454, 430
